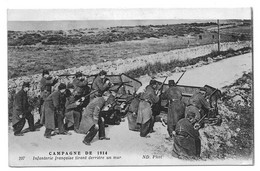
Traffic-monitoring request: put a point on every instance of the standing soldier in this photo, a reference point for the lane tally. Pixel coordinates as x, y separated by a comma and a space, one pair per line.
176, 108
100, 85
21, 111
46, 84
92, 122
198, 104
187, 143
132, 115
52, 109
80, 85
144, 116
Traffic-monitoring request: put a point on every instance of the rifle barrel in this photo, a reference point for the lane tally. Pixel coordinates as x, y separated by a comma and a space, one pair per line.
180, 77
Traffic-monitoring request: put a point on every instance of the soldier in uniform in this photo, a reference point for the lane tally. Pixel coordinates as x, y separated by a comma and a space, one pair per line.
187, 143
132, 115
80, 85
176, 108
100, 85
22, 111
144, 117
198, 104
52, 110
46, 84
73, 110
92, 122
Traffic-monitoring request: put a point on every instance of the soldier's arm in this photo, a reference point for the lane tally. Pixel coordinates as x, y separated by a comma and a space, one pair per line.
165, 95
102, 86
70, 104
79, 83
154, 98
204, 103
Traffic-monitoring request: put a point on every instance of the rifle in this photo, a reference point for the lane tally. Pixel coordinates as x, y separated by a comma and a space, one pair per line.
161, 88
197, 124
180, 77
70, 75
123, 83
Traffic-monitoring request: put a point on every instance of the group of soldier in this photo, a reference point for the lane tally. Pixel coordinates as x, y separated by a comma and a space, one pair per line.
80, 107
182, 120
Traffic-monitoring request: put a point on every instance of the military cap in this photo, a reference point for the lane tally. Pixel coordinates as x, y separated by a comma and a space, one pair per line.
153, 82
171, 82
102, 72
45, 71
78, 74
26, 84
70, 86
62, 86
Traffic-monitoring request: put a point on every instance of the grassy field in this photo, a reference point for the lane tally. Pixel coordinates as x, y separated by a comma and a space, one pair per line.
32, 59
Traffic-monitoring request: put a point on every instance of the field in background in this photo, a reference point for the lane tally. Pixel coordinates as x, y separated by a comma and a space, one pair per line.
29, 52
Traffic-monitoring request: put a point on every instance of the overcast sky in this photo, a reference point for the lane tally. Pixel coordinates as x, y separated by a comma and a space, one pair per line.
126, 14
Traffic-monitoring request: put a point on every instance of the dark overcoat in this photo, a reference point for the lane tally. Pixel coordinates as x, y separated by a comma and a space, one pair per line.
99, 85
70, 108
46, 87
145, 106
51, 108
20, 106
186, 142
176, 108
80, 86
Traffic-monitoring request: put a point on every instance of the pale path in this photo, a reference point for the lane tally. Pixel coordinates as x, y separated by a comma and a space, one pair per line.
125, 144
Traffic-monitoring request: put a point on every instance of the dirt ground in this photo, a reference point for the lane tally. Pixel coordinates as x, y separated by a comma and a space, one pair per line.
127, 147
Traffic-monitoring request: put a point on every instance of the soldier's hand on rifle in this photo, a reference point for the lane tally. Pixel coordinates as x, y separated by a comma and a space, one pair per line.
78, 103
196, 126
21, 116
211, 109
107, 82
82, 98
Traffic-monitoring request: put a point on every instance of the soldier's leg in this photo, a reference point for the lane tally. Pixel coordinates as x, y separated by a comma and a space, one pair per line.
30, 120
90, 134
152, 124
145, 128
17, 128
76, 116
47, 133
101, 132
60, 123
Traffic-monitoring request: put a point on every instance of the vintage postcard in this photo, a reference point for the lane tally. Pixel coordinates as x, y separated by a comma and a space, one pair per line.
139, 87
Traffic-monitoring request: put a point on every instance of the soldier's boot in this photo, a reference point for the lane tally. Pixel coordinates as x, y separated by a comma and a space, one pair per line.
90, 135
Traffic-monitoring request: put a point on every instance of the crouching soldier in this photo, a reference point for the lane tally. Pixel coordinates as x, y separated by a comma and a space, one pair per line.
73, 110
176, 108
52, 110
92, 122
198, 104
187, 143
21, 111
144, 117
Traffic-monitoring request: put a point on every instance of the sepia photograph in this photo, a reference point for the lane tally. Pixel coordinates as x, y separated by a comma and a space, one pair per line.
130, 87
